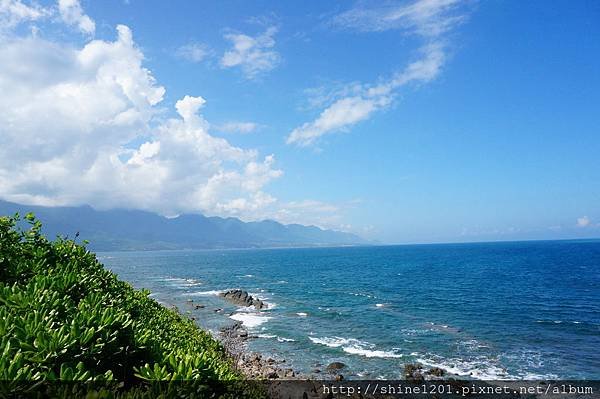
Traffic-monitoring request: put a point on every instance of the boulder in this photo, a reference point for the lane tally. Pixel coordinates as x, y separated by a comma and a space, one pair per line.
242, 298
335, 366
436, 371
413, 372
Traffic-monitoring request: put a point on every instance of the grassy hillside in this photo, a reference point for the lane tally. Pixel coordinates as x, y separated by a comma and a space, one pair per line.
64, 317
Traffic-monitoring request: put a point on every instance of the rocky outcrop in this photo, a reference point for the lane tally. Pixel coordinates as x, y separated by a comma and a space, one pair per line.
242, 298
413, 372
436, 372
335, 366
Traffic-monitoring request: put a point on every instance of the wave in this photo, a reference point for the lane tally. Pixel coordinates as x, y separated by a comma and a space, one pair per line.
355, 347
302, 314
480, 368
205, 293
370, 296
181, 282
279, 339
250, 320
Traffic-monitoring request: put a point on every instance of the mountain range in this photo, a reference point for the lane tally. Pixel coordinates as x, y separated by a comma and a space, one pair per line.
124, 229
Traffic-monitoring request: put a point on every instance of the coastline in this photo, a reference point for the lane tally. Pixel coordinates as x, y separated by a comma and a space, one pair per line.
258, 366
364, 308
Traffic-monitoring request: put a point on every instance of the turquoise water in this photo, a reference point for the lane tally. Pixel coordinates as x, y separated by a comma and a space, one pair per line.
522, 310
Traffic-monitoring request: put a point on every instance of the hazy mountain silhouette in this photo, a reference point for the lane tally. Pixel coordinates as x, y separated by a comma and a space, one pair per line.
122, 229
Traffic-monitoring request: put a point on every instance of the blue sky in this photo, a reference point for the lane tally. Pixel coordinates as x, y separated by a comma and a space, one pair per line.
402, 121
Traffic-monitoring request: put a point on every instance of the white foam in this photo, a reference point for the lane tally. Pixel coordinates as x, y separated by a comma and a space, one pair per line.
266, 336
332, 342
371, 353
379, 305
250, 320
302, 314
355, 347
205, 293
282, 339
479, 368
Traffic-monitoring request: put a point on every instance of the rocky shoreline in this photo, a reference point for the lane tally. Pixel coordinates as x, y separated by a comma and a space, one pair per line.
255, 366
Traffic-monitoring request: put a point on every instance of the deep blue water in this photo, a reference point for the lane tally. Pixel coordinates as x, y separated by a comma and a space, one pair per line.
493, 310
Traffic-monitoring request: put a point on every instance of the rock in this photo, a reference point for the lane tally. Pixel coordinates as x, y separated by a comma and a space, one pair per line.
339, 377
255, 357
243, 334
242, 298
336, 366
218, 310
316, 371
270, 360
272, 374
436, 371
199, 307
289, 373
412, 371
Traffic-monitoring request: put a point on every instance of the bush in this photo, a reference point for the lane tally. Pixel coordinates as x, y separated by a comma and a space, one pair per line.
63, 317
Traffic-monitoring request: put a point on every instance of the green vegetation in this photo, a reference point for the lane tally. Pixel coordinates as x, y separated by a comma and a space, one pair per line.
64, 317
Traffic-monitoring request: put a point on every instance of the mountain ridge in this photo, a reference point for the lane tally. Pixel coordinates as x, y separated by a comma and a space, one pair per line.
129, 229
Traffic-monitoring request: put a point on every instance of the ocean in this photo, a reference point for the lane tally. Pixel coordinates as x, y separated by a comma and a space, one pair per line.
517, 310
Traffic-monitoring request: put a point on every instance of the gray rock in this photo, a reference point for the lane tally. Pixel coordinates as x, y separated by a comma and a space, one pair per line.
336, 366
242, 298
413, 372
436, 371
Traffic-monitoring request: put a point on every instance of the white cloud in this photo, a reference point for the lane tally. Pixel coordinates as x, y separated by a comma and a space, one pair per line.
429, 18
13, 12
85, 125
72, 13
194, 52
237, 127
358, 102
583, 221
366, 100
254, 55
69, 118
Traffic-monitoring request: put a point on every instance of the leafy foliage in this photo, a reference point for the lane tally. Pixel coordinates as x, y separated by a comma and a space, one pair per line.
63, 317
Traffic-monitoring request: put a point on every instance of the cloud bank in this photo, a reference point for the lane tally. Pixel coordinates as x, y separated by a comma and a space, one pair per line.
80, 126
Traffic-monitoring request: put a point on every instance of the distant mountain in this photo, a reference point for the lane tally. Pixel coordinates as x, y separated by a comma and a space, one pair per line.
121, 229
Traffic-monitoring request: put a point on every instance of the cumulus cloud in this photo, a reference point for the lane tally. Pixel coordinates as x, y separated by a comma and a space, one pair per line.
254, 55
428, 19
86, 125
80, 126
193, 52
583, 221
72, 14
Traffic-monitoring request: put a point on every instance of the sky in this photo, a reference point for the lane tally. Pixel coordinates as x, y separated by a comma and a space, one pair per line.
401, 121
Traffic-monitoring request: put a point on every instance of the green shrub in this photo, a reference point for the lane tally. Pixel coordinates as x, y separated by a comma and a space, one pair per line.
64, 317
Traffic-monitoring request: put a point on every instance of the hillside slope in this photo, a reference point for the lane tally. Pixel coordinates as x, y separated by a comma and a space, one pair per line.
139, 230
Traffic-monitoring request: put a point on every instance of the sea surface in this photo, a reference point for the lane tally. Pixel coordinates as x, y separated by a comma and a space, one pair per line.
519, 310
